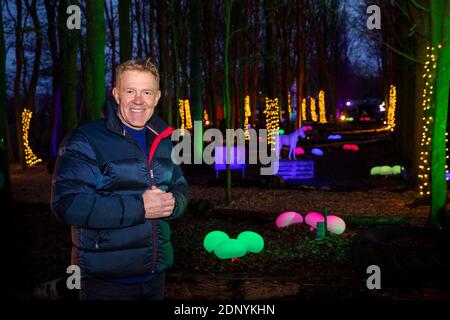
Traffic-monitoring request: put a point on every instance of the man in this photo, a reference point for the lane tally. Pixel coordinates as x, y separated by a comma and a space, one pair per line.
116, 185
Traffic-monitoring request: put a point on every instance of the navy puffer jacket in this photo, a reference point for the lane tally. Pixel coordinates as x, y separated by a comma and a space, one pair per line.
97, 187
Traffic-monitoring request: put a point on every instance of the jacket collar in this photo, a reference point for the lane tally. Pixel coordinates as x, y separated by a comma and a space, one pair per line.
113, 123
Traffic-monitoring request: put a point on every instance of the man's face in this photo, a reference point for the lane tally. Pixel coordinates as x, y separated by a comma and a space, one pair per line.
137, 95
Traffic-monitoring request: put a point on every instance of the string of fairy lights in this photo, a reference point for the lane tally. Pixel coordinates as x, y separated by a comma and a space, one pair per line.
304, 109
322, 113
30, 158
247, 115
185, 115
427, 119
392, 107
272, 112
313, 109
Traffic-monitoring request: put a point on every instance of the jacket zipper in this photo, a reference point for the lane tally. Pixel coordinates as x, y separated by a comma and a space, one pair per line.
153, 147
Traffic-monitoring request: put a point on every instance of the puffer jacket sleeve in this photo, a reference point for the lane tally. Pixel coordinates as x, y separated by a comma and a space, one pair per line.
74, 199
179, 188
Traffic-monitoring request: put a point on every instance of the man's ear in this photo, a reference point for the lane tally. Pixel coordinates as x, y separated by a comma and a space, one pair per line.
158, 95
115, 93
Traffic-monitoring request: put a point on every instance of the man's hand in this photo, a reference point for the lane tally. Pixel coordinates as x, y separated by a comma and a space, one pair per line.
158, 203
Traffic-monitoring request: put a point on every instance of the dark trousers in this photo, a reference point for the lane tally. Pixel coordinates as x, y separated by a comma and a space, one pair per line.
97, 289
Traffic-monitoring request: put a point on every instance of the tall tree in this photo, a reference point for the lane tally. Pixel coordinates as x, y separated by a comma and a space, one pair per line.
5, 195
440, 36
196, 76
124, 30
18, 108
55, 110
68, 44
95, 51
227, 98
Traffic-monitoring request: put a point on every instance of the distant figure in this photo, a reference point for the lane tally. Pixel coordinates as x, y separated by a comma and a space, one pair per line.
289, 140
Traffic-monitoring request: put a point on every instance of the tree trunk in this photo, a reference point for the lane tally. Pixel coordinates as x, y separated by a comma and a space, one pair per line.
124, 30
176, 63
440, 32
196, 76
227, 100
69, 40
55, 132
5, 193
111, 27
255, 71
18, 108
95, 58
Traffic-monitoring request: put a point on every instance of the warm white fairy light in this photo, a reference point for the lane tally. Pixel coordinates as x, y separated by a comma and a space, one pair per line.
30, 158
272, 113
392, 107
312, 105
427, 119
247, 115
322, 113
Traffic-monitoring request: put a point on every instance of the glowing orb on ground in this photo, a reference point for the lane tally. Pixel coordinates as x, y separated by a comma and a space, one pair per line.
213, 238
281, 131
287, 218
334, 224
385, 170
252, 241
375, 171
351, 147
317, 152
397, 169
334, 137
307, 128
299, 150
231, 248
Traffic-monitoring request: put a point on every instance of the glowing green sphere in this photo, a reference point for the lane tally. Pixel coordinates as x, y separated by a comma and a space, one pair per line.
281, 131
253, 241
375, 171
385, 170
213, 238
231, 248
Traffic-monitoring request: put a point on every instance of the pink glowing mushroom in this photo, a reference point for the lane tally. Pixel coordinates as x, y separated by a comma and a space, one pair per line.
334, 224
287, 218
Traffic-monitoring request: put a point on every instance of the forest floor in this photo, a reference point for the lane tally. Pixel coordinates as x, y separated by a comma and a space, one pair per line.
292, 265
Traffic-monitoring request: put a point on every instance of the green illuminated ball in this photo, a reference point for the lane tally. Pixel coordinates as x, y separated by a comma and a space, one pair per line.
252, 241
385, 170
375, 171
281, 131
397, 169
231, 248
213, 238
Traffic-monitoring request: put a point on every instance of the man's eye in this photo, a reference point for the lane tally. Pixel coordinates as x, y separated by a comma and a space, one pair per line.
130, 91
147, 93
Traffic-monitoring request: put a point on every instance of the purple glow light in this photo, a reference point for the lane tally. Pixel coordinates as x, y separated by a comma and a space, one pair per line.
348, 103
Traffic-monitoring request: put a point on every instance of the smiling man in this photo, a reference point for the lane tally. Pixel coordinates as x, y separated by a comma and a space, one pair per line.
116, 185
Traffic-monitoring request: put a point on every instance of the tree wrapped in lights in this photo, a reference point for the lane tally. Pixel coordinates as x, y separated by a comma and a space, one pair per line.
185, 114
182, 115
312, 105
247, 115
272, 113
304, 109
322, 113
427, 119
440, 26
392, 107
30, 158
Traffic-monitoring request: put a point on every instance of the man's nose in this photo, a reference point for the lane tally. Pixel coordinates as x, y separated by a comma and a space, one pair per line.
138, 99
